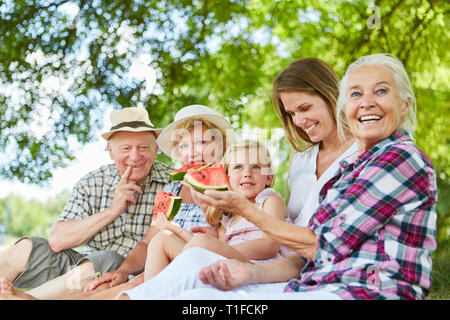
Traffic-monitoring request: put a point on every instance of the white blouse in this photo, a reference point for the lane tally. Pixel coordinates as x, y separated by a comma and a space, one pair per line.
304, 185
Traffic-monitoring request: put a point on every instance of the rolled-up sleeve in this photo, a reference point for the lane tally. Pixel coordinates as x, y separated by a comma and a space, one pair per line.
78, 205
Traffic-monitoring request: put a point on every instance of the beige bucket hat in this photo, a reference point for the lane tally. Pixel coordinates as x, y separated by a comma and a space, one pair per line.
134, 119
166, 139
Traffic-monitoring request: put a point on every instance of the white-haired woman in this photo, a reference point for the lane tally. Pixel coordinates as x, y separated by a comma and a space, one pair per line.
374, 231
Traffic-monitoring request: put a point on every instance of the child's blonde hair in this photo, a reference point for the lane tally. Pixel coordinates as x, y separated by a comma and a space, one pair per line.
214, 216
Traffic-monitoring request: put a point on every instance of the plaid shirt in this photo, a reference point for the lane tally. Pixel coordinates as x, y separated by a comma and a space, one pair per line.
376, 226
190, 214
94, 193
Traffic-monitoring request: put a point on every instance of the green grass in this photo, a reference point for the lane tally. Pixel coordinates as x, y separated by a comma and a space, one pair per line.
440, 287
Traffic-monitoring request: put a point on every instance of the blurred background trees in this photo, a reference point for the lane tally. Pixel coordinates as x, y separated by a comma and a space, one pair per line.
64, 63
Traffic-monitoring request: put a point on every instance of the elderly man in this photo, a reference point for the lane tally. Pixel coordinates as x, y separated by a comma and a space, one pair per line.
109, 211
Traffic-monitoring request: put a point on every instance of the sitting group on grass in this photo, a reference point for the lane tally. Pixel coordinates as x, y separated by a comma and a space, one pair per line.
360, 219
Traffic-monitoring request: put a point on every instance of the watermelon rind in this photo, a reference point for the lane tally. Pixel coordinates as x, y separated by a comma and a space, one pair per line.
173, 209
177, 176
202, 187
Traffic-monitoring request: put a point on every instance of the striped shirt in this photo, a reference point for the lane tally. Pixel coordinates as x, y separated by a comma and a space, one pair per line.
190, 214
376, 225
94, 193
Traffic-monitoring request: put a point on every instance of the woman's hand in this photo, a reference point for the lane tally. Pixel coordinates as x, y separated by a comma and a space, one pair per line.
227, 274
228, 201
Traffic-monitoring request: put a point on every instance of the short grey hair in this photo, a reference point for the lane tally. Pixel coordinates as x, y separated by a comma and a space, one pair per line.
409, 122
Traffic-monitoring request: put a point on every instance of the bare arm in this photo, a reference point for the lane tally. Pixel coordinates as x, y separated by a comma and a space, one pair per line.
133, 264
279, 270
299, 239
163, 224
265, 247
72, 233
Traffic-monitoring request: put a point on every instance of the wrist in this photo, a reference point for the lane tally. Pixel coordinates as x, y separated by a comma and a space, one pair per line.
250, 212
125, 270
310, 250
255, 272
112, 213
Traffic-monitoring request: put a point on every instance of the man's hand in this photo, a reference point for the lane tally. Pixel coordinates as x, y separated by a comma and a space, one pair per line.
114, 278
227, 274
124, 195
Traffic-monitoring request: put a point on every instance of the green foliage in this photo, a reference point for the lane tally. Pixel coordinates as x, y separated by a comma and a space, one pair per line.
60, 69
32, 217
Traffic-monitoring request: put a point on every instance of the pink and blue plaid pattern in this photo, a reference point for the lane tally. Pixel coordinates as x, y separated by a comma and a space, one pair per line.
376, 225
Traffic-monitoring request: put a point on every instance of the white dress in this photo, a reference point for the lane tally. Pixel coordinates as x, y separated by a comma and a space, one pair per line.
304, 185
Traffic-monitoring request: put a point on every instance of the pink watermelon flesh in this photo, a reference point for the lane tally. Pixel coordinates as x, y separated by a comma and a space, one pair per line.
211, 177
178, 174
167, 203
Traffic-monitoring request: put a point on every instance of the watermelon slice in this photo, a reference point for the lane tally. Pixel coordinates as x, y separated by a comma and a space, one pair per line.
178, 175
209, 177
167, 203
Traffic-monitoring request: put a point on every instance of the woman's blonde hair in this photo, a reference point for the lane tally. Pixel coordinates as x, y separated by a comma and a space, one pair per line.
191, 124
214, 216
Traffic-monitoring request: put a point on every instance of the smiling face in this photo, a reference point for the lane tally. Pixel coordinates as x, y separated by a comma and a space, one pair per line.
374, 108
135, 149
310, 113
248, 173
196, 145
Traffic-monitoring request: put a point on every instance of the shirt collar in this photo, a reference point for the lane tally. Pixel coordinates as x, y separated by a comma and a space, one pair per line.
395, 137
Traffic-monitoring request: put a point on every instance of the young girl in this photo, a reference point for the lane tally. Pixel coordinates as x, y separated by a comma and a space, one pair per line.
248, 167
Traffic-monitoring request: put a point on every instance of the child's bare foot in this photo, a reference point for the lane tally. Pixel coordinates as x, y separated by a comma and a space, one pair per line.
7, 290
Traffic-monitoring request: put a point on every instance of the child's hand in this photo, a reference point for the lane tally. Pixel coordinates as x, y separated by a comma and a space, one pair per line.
161, 221
209, 231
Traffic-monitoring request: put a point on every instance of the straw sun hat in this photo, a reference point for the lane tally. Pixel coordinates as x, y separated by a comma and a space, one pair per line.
167, 137
134, 119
